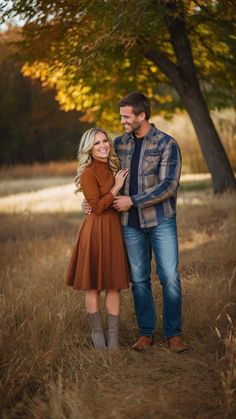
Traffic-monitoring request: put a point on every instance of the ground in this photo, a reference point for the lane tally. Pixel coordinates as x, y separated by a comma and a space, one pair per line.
48, 368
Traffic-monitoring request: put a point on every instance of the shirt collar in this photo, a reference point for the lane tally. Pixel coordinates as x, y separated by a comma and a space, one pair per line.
149, 135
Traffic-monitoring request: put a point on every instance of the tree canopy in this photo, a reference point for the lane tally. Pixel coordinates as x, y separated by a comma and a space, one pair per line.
181, 53
32, 125
94, 52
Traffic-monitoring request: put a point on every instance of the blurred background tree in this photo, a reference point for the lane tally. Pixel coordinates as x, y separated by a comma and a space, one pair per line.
181, 53
32, 125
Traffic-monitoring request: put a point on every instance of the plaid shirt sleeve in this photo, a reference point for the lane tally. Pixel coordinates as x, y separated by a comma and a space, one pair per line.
169, 174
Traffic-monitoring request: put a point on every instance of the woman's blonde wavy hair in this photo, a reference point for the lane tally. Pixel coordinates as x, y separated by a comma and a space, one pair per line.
85, 157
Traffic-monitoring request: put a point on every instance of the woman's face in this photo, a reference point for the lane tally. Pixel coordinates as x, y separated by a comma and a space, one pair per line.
101, 147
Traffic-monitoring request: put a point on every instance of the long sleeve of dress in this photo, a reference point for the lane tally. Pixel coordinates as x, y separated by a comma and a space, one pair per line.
90, 188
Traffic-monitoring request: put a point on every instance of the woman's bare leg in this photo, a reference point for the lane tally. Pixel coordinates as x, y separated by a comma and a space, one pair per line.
92, 301
112, 301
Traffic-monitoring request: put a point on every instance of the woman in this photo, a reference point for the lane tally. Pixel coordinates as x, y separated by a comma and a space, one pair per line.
98, 261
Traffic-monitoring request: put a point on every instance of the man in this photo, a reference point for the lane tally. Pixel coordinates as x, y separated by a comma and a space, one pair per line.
148, 207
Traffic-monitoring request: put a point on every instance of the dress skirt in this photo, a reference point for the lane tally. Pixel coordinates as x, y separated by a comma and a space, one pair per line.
99, 260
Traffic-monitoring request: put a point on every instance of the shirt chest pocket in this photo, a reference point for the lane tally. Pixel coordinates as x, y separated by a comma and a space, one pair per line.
151, 161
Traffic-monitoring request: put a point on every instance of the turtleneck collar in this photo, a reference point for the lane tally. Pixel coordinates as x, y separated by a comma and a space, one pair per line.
97, 162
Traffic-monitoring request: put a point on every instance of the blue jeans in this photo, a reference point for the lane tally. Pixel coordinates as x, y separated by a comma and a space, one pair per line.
163, 241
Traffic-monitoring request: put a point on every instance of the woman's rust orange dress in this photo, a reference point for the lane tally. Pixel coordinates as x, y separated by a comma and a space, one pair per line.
99, 260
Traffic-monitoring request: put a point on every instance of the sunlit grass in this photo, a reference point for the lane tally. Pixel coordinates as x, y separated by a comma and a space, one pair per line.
24, 185
48, 368
53, 199
56, 194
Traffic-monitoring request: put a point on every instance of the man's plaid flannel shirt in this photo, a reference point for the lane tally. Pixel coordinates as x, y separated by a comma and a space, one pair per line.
158, 176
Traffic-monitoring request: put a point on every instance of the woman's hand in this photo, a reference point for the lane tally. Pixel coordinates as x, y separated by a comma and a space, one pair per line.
119, 180
120, 177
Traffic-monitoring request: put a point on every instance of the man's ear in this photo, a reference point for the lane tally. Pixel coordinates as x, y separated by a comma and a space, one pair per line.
142, 116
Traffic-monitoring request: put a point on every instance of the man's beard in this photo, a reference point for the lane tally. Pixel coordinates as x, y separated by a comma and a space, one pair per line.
135, 129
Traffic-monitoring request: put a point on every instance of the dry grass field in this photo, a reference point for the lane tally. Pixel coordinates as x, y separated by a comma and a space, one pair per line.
48, 368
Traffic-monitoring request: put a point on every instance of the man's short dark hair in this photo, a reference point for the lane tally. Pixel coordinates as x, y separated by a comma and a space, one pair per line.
139, 102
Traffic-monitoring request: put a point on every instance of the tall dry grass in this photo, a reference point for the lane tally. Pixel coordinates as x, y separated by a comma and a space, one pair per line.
48, 368
179, 126
38, 170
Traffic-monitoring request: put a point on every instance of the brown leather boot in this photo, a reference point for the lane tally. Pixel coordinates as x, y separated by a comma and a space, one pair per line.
143, 343
176, 344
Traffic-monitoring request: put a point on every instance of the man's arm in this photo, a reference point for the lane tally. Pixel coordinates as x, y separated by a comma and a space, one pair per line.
122, 203
86, 209
169, 174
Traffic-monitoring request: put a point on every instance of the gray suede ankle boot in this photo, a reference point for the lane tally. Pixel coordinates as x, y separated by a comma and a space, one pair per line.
97, 334
112, 333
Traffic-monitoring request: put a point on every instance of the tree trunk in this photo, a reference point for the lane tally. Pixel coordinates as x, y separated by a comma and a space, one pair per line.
212, 148
185, 81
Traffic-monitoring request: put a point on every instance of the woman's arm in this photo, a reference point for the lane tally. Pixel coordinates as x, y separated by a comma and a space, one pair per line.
91, 191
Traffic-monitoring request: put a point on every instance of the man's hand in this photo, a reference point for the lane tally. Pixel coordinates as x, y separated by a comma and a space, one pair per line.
85, 207
122, 203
